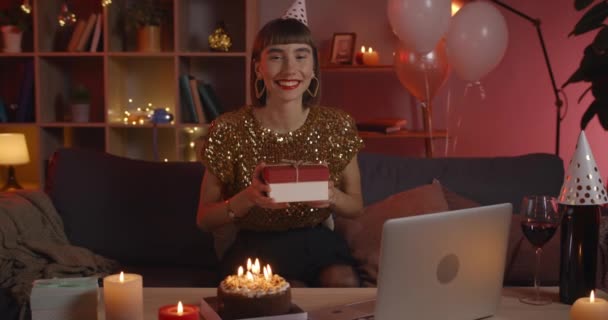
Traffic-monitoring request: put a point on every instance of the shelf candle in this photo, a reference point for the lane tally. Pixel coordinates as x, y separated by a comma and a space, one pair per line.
123, 297
370, 58
178, 312
589, 308
359, 55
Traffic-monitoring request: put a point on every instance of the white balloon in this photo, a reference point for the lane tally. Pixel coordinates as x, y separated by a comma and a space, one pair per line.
476, 40
419, 24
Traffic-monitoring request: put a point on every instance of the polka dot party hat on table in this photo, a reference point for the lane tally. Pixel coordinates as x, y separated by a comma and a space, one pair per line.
583, 183
297, 11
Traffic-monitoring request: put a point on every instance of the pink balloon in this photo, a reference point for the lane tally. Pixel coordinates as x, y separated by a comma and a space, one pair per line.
422, 74
476, 40
419, 24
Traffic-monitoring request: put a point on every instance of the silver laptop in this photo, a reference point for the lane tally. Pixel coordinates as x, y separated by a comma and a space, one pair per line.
447, 265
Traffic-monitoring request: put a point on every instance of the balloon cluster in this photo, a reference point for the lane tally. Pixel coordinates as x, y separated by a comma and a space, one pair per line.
472, 42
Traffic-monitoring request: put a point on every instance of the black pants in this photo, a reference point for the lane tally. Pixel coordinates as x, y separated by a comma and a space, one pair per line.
298, 254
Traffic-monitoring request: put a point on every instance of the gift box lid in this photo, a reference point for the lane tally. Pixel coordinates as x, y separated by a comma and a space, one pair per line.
286, 173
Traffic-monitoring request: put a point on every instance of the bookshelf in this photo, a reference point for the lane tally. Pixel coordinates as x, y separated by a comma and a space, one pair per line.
117, 72
425, 135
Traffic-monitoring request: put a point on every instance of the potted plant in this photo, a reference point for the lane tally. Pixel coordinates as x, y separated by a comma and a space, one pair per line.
80, 102
594, 65
146, 18
13, 23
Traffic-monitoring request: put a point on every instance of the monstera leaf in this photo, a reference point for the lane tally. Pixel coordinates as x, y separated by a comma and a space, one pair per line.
592, 19
594, 64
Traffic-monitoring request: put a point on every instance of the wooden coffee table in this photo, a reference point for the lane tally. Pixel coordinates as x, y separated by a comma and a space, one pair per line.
311, 299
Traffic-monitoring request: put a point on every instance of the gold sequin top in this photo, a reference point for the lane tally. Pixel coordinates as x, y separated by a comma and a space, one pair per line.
237, 142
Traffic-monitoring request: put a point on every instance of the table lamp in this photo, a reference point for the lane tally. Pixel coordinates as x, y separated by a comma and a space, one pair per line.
13, 151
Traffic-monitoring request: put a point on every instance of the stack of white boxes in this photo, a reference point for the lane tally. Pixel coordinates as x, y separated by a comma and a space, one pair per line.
64, 299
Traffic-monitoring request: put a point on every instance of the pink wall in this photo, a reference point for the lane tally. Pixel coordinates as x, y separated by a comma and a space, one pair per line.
516, 117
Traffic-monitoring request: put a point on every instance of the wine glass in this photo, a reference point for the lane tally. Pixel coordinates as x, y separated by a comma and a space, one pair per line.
539, 221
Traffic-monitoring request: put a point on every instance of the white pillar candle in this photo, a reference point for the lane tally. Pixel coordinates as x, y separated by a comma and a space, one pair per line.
123, 297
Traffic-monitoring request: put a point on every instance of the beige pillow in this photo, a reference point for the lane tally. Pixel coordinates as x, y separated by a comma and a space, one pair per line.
364, 233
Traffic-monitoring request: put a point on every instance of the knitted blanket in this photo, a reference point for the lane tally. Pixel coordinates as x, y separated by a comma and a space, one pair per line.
34, 246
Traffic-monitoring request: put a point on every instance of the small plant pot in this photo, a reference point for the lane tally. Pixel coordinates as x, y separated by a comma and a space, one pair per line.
11, 39
81, 112
148, 39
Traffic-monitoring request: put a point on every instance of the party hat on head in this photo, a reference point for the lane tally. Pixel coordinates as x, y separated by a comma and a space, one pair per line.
583, 183
297, 11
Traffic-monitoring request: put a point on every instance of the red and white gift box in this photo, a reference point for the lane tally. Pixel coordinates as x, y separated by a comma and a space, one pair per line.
297, 182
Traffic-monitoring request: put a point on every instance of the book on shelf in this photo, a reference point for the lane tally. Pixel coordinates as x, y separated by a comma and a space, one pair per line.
78, 30
25, 110
211, 102
3, 113
96, 33
383, 125
198, 105
188, 113
86, 33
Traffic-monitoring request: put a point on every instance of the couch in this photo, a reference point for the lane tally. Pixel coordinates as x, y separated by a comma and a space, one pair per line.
142, 213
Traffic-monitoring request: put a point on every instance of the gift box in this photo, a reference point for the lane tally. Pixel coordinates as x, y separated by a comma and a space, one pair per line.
297, 182
64, 299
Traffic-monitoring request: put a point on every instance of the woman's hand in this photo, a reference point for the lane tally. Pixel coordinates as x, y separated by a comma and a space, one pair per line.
257, 192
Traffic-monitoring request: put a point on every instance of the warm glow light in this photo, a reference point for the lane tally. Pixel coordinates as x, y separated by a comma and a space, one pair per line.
180, 308
256, 266
240, 272
149, 104
105, 3
121, 278
248, 264
363, 49
592, 297
369, 50
249, 276
130, 100
269, 270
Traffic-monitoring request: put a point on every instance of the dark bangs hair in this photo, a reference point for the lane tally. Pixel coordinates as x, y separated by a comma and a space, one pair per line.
284, 31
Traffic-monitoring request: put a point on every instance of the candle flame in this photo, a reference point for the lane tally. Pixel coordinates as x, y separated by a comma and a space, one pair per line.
269, 270
256, 267
266, 274
240, 272
370, 50
248, 264
363, 49
121, 277
249, 276
180, 308
592, 297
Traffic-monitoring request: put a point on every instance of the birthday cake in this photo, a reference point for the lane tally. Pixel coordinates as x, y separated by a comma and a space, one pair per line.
251, 294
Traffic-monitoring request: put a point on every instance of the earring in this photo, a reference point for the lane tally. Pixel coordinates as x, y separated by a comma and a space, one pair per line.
316, 90
259, 92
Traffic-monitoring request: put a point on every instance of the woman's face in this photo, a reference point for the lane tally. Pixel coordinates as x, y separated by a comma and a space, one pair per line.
287, 70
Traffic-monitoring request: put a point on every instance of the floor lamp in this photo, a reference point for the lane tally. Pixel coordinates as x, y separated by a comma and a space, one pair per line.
13, 151
558, 102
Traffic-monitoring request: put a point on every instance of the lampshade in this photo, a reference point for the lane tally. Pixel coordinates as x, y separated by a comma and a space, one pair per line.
13, 149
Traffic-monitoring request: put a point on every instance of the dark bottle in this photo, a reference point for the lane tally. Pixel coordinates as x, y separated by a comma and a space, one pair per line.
579, 244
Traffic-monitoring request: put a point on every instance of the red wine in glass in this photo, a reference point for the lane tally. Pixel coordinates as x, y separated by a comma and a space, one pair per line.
539, 221
538, 233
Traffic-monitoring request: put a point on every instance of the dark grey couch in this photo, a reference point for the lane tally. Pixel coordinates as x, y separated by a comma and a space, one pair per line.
143, 213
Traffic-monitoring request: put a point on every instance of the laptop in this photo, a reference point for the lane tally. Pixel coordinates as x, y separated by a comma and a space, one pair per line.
447, 265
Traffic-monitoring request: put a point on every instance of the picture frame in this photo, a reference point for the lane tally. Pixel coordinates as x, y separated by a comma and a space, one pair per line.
343, 48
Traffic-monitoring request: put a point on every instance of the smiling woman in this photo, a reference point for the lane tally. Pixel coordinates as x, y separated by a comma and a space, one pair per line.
284, 123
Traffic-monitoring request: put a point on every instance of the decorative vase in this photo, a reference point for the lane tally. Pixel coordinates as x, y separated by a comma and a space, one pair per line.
11, 37
148, 39
81, 112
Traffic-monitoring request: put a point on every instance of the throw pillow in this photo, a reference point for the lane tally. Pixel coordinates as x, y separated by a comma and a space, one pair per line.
364, 233
456, 201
